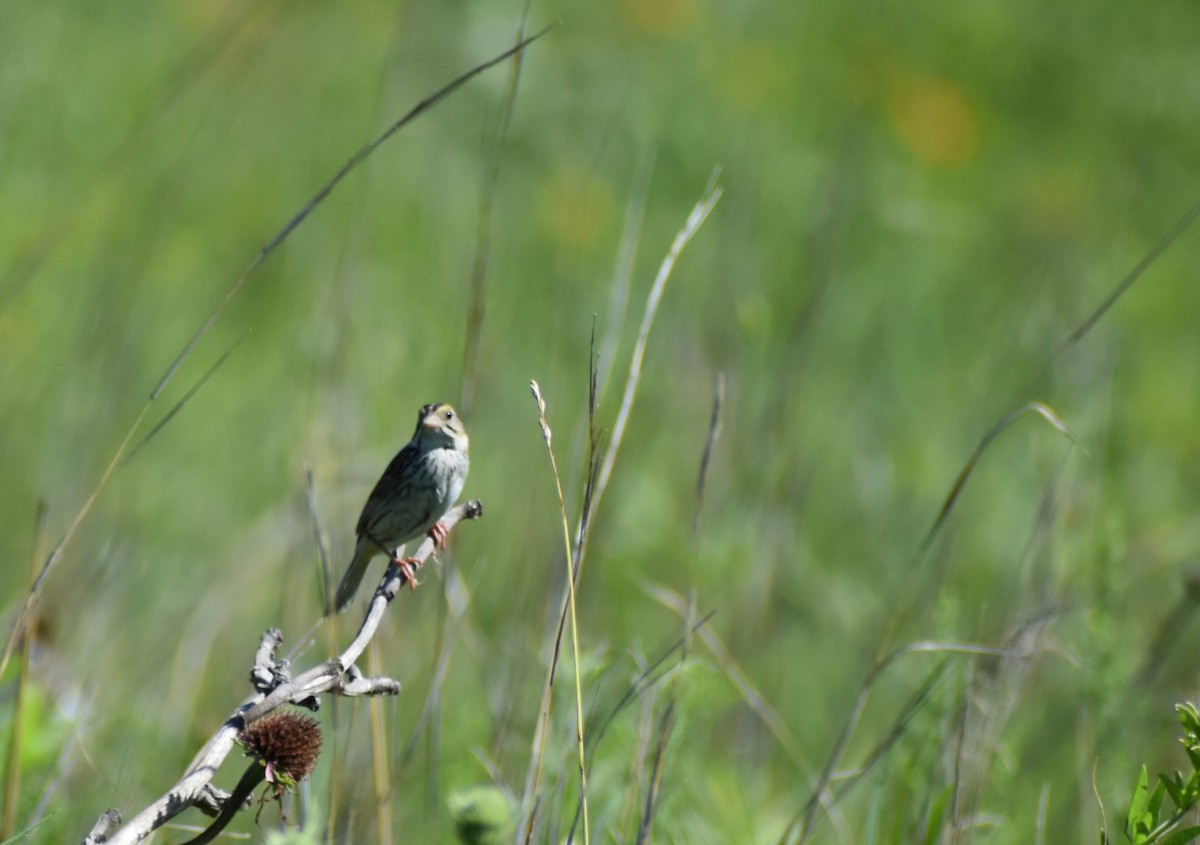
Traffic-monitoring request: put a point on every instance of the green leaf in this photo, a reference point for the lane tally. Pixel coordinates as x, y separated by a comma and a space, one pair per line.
1189, 717
1137, 807
934, 828
1174, 785
1154, 805
1182, 836
1191, 790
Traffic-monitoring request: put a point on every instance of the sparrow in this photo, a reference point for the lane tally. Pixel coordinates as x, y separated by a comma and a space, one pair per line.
421, 483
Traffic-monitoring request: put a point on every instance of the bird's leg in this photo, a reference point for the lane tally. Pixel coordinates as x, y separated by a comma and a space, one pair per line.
438, 533
406, 564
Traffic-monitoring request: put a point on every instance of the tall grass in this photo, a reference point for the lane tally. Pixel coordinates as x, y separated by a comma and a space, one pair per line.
836, 588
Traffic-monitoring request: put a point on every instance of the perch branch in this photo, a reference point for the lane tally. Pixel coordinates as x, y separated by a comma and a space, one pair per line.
274, 687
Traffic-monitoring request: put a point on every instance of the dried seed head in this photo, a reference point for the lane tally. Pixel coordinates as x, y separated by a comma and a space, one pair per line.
287, 742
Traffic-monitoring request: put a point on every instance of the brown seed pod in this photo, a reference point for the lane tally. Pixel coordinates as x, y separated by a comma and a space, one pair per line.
287, 742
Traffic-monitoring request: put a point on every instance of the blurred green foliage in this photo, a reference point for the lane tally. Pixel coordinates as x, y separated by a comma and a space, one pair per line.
1145, 821
481, 815
921, 202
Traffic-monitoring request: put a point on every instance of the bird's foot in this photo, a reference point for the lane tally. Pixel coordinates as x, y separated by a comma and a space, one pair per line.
408, 567
438, 533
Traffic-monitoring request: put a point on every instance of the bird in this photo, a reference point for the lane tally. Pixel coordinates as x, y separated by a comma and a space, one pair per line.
419, 486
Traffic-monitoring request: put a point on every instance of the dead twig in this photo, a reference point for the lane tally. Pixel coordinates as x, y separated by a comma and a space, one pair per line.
275, 687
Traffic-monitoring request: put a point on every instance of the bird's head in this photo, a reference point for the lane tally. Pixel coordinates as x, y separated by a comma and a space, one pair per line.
439, 426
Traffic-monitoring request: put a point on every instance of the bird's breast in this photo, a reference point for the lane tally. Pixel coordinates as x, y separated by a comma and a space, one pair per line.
449, 470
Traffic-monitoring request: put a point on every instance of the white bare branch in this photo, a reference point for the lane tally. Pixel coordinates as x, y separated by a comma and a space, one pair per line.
274, 687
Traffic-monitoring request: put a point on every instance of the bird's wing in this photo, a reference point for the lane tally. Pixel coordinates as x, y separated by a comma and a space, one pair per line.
390, 514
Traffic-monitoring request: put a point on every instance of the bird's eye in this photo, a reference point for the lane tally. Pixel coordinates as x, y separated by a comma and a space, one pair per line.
449, 415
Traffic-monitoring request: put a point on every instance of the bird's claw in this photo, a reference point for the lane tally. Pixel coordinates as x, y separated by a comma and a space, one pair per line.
438, 533
408, 568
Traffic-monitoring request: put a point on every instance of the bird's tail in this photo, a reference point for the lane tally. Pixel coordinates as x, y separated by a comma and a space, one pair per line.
363, 553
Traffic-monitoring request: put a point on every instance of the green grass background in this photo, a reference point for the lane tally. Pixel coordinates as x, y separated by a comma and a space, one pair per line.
922, 201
